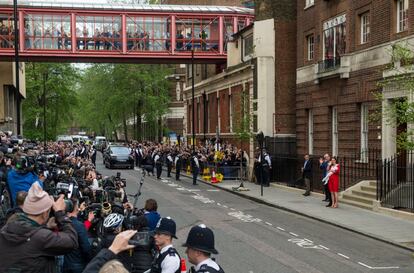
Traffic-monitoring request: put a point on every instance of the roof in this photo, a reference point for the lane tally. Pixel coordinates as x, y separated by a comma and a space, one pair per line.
135, 7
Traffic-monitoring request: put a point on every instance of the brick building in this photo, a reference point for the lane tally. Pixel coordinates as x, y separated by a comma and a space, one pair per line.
343, 48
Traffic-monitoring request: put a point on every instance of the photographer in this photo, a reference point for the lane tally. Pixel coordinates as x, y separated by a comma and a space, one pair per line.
21, 177
77, 259
26, 244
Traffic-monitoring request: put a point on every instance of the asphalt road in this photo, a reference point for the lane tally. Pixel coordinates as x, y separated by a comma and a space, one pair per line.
255, 238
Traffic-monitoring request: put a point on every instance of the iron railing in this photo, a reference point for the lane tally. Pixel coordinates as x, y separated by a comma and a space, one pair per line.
329, 64
353, 169
395, 181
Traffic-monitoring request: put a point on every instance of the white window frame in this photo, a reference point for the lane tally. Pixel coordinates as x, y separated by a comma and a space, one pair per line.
310, 132
365, 27
364, 132
335, 143
309, 3
402, 15
330, 24
310, 41
248, 56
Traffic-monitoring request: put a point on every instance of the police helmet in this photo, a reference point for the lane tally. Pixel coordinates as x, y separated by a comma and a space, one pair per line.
166, 226
113, 221
201, 238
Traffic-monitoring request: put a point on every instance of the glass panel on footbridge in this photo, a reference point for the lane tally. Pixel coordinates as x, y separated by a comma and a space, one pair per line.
98, 33
47, 31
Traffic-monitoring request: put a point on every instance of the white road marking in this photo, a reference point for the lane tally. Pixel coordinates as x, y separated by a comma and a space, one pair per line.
182, 189
294, 234
243, 217
213, 190
269, 224
193, 190
282, 229
232, 209
224, 206
219, 204
342, 255
303, 243
203, 199
324, 247
378, 267
308, 240
173, 185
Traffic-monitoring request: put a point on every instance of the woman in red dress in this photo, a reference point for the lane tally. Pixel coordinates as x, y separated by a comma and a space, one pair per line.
333, 183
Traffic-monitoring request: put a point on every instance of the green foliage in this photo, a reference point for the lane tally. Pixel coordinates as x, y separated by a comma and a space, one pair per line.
400, 112
113, 95
243, 119
58, 80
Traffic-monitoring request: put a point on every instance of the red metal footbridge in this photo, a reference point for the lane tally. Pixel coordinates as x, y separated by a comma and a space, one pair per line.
91, 32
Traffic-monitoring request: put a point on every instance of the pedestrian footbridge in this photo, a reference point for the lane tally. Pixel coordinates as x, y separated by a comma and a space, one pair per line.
119, 33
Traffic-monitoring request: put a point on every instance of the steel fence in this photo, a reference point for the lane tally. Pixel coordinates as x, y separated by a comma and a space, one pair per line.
353, 169
395, 181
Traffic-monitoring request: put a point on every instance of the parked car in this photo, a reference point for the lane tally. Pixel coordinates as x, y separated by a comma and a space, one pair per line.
118, 156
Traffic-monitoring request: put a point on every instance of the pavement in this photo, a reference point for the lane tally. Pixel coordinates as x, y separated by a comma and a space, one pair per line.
375, 225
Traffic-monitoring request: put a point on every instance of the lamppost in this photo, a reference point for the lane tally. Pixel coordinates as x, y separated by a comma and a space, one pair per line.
192, 93
44, 108
205, 116
260, 140
16, 62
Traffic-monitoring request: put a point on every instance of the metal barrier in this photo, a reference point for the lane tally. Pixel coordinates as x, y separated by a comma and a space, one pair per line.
229, 172
395, 181
353, 169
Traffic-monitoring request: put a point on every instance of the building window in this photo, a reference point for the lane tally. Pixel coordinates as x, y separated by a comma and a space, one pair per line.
365, 27
309, 3
364, 133
247, 47
334, 37
310, 132
402, 15
310, 46
334, 131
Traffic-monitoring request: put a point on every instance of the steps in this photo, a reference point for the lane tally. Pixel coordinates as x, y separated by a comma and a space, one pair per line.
361, 195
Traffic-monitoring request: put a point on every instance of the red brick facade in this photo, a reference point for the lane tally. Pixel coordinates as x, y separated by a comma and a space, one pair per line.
347, 94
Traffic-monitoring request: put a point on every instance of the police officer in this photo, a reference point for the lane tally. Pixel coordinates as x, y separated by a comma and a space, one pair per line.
158, 164
169, 164
178, 166
167, 259
266, 167
200, 246
195, 166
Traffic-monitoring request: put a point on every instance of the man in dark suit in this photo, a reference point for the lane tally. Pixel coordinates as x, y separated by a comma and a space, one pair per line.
307, 174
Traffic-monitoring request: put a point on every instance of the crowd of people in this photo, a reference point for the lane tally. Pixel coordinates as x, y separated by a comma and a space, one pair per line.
51, 228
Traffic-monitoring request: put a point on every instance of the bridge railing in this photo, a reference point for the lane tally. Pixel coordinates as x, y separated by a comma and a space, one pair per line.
73, 32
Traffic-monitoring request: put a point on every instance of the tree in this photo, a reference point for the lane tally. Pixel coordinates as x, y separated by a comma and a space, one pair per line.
58, 82
113, 97
399, 111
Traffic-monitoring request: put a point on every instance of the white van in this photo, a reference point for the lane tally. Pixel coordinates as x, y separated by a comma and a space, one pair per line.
100, 143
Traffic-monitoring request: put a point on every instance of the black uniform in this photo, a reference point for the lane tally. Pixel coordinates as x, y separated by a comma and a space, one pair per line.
158, 165
196, 168
207, 269
178, 166
169, 164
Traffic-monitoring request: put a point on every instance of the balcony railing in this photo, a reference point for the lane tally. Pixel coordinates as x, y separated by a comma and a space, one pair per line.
329, 65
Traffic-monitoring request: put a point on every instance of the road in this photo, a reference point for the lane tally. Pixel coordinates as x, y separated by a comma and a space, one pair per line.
255, 238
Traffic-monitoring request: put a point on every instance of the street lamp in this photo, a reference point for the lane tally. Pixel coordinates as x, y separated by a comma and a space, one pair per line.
260, 139
205, 116
44, 109
16, 62
192, 93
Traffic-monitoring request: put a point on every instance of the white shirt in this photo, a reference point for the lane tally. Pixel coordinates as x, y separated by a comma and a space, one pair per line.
176, 159
169, 158
156, 158
209, 262
171, 263
196, 162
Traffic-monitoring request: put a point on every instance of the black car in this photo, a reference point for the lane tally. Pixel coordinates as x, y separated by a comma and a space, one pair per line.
118, 156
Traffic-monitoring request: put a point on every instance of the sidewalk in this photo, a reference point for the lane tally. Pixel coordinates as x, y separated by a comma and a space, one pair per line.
381, 227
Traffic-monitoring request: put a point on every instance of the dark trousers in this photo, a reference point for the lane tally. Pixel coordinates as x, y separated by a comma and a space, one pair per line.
158, 166
169, 167
195, 174
177, 172
327, 193
265, 176
307, 184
